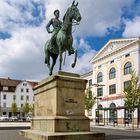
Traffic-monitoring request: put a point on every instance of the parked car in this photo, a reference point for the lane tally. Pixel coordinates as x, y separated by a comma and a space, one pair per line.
13, 118
4, 118
28, 118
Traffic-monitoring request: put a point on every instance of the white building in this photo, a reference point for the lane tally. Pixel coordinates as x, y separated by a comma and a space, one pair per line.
110, 74
17, 91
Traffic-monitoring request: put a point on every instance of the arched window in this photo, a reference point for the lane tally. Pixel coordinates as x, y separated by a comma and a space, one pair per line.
100, 106
112, 113
112, 73
99, 77
127, 68
112, 105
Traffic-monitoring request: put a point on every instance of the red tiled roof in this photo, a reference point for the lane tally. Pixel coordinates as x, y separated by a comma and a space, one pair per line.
32, 83
9, 82
13, 83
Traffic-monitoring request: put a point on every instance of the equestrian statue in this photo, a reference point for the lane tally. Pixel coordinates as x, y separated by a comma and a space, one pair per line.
61, 39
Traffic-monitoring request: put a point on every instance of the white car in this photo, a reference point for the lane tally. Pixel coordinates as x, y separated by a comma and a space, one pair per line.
13, 118
28, 118
4, 118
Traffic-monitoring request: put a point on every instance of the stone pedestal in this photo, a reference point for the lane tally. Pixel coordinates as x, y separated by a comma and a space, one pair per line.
59, 110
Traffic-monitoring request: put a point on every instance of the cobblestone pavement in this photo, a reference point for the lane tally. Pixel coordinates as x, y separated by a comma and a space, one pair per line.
118, 134
112, 133
11, 135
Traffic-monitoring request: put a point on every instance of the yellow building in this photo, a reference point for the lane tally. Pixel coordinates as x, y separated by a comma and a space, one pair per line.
110, 74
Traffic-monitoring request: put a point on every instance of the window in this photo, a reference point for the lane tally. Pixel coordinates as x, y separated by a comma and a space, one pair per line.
112, 89
21, 89
112, 61
24, 84
27, 98
99, 67
112, 73
4, 96
90, 82
21, 105
27, 90
127, 68
14, 97
99, 92
22, 97
4, 105
100, 106
99, 77
127, 55
126, 84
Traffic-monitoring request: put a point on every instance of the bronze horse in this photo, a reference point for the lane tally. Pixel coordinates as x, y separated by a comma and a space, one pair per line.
64, 39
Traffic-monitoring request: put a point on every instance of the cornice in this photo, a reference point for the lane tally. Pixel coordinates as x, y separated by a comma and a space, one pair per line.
114, 52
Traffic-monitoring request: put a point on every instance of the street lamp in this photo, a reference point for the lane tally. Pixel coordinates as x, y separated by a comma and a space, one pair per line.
98, 85
97, 98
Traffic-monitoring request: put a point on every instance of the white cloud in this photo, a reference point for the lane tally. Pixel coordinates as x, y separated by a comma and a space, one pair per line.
97, 16
132, 27
22, 56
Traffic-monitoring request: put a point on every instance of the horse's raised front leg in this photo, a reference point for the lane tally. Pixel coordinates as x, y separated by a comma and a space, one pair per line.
75, 59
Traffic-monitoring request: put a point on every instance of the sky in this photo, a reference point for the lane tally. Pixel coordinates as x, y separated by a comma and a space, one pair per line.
23, 33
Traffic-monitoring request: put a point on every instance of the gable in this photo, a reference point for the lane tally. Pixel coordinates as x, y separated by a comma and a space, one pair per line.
112, 46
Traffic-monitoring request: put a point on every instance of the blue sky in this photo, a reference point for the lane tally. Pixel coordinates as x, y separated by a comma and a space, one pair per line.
23, 33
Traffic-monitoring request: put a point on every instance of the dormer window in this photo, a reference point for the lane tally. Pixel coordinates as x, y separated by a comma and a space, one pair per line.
24, 84
5, 88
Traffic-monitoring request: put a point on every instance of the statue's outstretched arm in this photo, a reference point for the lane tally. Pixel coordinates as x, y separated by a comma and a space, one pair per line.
48, 26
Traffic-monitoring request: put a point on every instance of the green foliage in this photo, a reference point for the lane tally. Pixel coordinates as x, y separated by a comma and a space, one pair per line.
132, 93
14, 108
89, 99
26, 108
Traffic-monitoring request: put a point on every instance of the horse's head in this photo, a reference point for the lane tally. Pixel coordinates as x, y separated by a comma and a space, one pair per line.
73, 12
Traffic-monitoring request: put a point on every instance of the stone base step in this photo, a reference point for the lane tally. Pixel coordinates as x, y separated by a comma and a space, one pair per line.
43, 135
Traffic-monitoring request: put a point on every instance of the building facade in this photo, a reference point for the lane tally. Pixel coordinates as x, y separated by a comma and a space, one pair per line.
110, 75
17, 91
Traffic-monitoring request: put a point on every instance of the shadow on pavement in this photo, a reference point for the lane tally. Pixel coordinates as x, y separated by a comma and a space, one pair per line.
120, 137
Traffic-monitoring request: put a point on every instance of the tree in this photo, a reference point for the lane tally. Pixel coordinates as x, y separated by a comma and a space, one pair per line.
32, 108
14, 108
132, 95
89, 99
26, 108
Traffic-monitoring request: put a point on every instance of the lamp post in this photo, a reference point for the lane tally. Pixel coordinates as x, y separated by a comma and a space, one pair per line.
97, 98
97, 109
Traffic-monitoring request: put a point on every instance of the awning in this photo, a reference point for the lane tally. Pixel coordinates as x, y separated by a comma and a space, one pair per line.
114, 108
